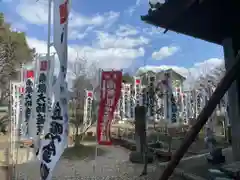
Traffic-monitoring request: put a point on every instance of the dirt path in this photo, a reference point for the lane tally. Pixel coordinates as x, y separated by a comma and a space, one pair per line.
113, 165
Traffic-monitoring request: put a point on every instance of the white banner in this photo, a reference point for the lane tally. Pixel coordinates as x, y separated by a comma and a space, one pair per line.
50, 83
151, 97
87, 119
15, 110
15, 114
121, 103
40, 101
127, 94
137, 91
55, 139
27, 101
132, 103
185, 108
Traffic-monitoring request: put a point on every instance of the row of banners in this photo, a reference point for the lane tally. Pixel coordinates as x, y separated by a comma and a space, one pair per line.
165, 101
40, 103
34, 115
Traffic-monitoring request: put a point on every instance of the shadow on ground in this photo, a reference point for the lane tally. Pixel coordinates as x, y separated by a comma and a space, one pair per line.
80, 152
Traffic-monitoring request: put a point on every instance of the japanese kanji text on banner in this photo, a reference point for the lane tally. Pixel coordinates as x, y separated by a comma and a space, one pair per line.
110, 94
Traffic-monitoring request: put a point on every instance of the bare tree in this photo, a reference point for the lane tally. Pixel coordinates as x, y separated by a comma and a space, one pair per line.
211, 79
82, 72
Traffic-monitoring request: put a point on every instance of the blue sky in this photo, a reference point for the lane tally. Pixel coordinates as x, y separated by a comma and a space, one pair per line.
111, 33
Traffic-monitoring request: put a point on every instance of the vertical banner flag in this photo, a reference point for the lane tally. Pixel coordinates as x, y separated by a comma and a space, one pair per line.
54, 141
161, 100
127, 100
21, 103
137, 91
132, 102
185, 107
87, 119
178, 98
157, 103
16, 95
110, 94
165, 103
198, 102
121, 102
40, 102
50, 82
171, 101
192, 102
27, 105
151, 96
15, 109
145, 98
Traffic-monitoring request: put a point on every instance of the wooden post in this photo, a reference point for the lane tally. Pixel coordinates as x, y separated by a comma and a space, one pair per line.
233, 96
140, 120
231, 75
140, 127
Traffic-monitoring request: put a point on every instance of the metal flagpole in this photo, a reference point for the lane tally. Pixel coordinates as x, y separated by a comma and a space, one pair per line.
48, 58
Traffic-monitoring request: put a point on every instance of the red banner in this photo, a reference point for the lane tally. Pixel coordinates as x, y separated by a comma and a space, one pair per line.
110, 93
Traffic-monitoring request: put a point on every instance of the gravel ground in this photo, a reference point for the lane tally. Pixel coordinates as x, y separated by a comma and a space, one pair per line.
114, 165
200, 167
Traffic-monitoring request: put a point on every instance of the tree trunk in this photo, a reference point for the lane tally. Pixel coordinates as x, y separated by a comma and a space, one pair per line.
77, 138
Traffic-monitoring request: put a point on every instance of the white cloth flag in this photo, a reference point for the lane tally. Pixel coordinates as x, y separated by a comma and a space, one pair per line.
87, 118
15, 112
27, 101
127, 93
55, 139
40, 102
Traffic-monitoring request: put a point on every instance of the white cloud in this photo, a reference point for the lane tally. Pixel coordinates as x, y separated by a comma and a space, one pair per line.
133, 8
209, 63
105, 58
37, 13
33, 12
111, 57
126, 30
181, 70
111, 41
154, 31
164, 52
192, 73
17, 26
75, 34
41, 46
106, 19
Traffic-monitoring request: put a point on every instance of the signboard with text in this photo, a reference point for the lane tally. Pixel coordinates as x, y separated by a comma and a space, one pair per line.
110, 93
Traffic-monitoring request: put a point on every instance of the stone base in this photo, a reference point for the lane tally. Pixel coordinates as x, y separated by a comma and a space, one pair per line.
136, 157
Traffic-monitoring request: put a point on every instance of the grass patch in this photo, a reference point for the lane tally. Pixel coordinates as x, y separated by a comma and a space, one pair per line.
81, 152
